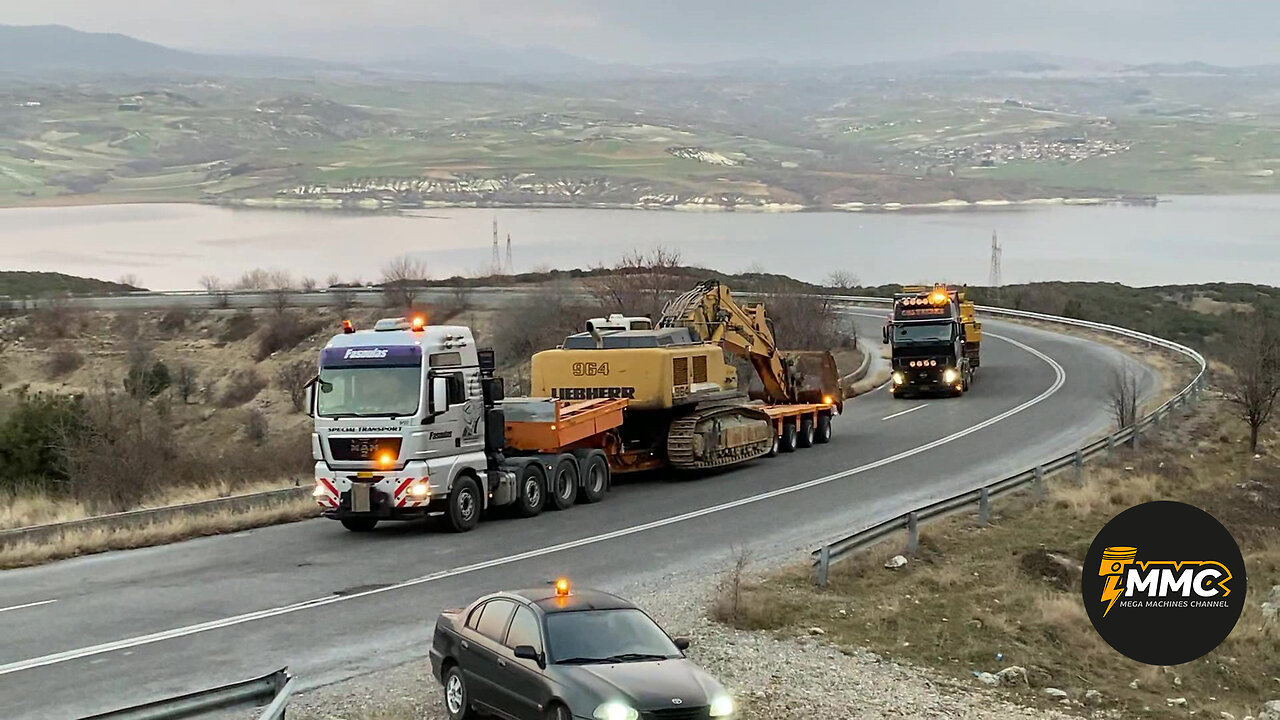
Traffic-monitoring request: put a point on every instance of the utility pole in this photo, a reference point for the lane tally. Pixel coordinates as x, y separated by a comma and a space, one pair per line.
510, 268
993, 278
495, 263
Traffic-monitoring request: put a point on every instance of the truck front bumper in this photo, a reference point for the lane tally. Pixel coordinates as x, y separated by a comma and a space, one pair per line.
927, 380
384, 495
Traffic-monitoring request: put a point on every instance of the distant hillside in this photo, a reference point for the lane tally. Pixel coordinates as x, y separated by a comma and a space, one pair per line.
46, 50
16, 284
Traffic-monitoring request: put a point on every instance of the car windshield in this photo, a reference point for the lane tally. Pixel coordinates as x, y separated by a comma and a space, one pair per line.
368, 391
598, 636
922, 333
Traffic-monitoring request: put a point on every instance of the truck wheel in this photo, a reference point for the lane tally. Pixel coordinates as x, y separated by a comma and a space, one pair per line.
464, 504
787, 441
531, 490
595, 479
360, 524
824, 429
805, 438
457, 701
564, 483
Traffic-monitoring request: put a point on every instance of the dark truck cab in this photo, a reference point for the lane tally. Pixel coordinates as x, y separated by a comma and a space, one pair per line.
933, 340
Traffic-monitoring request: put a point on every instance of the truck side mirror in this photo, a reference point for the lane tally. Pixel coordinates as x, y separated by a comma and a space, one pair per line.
310, 389
884, 332
439, 395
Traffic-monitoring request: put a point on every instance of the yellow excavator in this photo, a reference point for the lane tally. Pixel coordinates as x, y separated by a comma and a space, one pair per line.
685, 407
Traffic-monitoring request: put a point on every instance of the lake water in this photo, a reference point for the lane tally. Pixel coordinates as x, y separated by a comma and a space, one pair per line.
169, 247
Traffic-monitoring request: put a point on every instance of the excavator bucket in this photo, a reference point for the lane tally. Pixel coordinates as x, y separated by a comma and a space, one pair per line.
815, 377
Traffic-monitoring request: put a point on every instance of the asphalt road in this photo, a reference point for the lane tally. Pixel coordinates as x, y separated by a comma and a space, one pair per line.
111, 630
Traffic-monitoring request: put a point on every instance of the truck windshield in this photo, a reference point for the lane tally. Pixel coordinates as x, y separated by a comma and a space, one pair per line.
585, 637
368, 391
907, 334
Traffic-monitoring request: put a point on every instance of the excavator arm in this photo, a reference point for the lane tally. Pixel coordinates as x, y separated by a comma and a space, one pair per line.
711, 315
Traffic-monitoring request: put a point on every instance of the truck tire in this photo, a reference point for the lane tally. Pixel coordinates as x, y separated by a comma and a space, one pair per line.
564, 483
805, 438
595, 478
824, 429
531, 490
787, 440
463, 511
360, 524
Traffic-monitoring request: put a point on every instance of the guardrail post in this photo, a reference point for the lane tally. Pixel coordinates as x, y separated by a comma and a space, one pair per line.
824, 564
913, 533
1133, 440
1078, 463
984, 507
1111, 443
1038, 481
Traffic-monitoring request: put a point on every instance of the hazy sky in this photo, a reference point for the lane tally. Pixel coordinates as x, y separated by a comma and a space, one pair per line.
648, 31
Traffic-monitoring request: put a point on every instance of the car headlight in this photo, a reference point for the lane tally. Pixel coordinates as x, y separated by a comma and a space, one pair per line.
616, 711
950, 375
722, 706
899, 378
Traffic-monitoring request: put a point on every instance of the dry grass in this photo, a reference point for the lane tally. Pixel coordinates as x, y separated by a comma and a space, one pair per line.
971, 593
85, 542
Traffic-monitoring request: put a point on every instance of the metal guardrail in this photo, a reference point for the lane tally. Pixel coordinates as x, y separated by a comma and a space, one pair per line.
982, 496
272, 691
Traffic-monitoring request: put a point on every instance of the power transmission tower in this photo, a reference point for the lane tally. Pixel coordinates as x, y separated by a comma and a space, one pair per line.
495, 263
510, 269
993, 279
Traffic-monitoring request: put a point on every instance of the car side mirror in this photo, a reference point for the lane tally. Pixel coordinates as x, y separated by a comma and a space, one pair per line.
439, 395
528, 652
681, 643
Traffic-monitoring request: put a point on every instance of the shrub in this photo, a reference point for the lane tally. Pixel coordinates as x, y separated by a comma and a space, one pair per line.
241, 387
239, 326
255, 426
185, 381
283, 332
175, 320
147, 380
33, 435
64, 361
292, 378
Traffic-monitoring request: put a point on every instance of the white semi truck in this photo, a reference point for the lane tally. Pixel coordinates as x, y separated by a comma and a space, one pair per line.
410, 421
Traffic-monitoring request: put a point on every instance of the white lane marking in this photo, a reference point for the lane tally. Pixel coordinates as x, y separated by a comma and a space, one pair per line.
1060, 377
34, 604
904, 412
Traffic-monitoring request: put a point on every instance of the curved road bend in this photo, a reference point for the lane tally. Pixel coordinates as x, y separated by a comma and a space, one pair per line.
111, 630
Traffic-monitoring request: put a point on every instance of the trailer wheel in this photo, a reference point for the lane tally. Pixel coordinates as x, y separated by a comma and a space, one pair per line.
360, 524
595, 479
824, 429
805, 438
464, 504
564, 483
531, 488
787, 441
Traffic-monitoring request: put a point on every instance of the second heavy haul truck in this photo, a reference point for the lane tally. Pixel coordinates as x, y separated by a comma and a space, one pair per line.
934, 340
686, 409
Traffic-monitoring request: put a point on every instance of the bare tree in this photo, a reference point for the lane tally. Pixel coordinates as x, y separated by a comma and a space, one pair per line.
215, 287
1123, 395
309, 284
640, 283
332, 280
292, 378
128, 279
402, 281
184, 382
841, 280
255, 279
1254, 357
549, 316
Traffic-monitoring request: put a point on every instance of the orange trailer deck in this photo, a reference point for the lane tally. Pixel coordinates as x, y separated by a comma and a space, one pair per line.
559, 424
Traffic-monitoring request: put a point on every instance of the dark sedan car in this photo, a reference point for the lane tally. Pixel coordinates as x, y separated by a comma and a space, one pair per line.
557, 653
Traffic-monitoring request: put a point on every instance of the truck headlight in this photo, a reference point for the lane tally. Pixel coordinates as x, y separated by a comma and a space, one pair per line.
899, 378
950, 375
722, 706
615, 711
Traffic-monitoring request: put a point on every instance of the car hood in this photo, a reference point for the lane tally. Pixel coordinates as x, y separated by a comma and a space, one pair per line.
647, 685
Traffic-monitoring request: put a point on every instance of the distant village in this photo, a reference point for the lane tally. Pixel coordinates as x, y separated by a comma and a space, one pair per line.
1071, 149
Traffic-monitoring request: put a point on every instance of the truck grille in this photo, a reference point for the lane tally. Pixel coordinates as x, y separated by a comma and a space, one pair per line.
678, 713
356, 449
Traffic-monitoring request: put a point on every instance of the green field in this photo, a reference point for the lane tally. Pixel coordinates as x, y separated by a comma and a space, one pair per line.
814, 144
